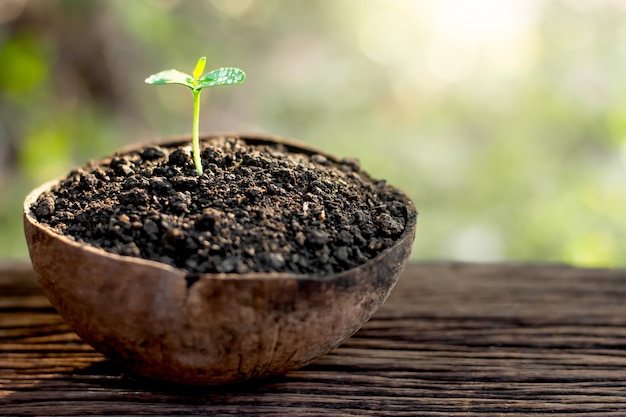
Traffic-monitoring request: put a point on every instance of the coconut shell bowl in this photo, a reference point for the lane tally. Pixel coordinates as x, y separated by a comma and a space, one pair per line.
216, 328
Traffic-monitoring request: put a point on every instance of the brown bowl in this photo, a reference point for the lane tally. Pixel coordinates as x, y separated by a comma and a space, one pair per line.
225, 327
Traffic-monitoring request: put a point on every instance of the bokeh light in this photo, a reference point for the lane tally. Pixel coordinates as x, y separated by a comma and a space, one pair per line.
504, 120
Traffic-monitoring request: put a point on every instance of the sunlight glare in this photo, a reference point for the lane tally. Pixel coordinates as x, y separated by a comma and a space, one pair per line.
483, 22
496, 33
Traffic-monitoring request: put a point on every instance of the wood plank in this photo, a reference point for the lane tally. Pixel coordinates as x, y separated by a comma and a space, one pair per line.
453, 339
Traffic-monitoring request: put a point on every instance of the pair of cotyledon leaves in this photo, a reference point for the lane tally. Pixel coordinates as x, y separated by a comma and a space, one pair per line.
221, 76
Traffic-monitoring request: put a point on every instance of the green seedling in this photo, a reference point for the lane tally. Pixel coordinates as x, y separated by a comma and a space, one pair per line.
221, 76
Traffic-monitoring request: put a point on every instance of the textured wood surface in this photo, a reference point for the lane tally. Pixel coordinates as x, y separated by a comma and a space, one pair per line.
485, 340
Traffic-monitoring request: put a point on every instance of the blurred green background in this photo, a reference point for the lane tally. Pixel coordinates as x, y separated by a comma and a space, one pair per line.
504, 120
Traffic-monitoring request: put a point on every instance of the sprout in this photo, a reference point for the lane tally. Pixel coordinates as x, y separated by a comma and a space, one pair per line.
221, 76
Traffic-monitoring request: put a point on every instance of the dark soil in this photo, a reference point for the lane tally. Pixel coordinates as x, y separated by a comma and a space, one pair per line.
257, 208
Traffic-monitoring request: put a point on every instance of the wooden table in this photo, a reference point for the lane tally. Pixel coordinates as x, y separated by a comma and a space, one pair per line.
453, 339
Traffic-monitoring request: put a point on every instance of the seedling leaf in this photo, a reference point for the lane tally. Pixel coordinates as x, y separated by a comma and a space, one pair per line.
171, 77
222, 76
199, 69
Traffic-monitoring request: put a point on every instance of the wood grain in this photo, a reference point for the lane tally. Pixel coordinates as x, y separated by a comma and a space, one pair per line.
453, 339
